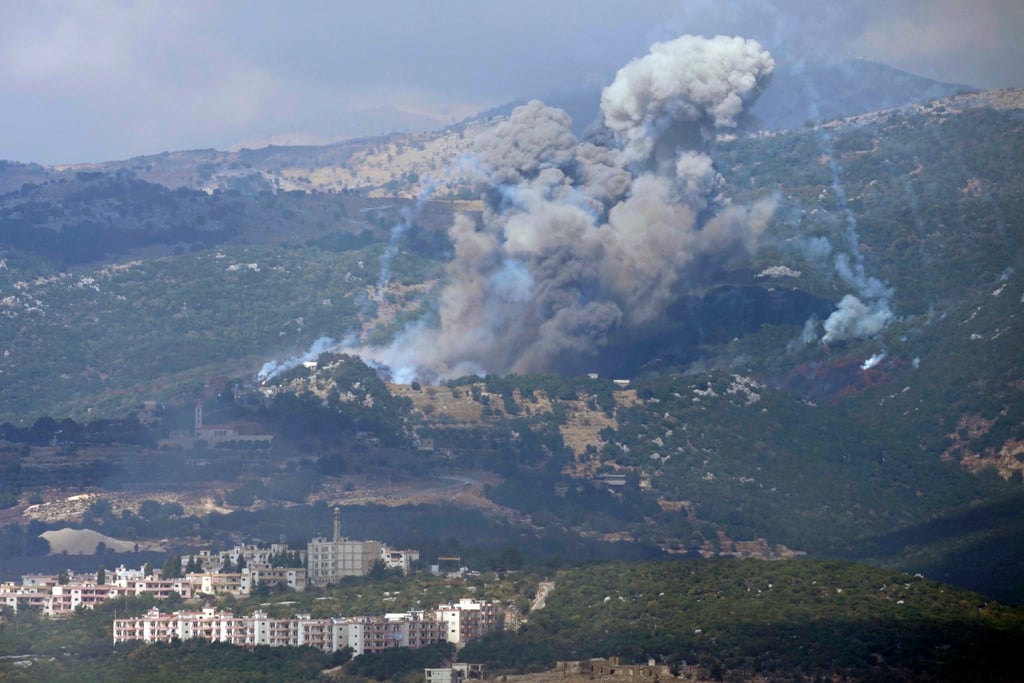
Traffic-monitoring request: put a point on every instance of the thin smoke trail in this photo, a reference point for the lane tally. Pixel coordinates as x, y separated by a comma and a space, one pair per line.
866, 312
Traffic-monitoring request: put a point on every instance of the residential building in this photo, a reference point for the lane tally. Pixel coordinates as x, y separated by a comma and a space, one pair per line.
399, 559
258, 569
55, 599
468, 619
363, 634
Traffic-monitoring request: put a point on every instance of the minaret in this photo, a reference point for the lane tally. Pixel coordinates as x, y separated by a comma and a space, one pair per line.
199, 415
337, 523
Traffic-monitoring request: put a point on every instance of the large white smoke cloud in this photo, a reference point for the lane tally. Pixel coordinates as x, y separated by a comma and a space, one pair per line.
863, 316
579, 238
685, 87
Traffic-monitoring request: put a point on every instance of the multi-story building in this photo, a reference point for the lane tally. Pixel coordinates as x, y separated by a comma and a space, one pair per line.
329, 560
258, 569
265, 575
406, 629
55, 599
253, 555
399, 559
467, 619
215, 583
362, 634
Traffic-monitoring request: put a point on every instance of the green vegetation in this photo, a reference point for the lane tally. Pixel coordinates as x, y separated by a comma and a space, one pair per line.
401, 664
775, 462
94, 217
101, 341
788, 620
791, 620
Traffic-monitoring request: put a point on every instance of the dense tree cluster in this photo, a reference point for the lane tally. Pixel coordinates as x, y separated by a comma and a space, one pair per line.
785, 620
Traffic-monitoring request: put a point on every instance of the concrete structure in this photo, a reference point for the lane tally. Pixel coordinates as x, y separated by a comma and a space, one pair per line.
258, 569
600, 668
265, 575
407, 629
216, 583
467, 619
54, 599
362, 634
329, 560
456, 673
399, 559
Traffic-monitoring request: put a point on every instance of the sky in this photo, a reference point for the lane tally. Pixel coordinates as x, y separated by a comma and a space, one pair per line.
98, 80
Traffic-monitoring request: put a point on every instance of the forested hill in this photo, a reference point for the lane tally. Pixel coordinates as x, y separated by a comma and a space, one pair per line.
703, 619
86, 218
785, 621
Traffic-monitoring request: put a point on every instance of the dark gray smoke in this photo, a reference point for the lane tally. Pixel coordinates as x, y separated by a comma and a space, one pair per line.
578, 239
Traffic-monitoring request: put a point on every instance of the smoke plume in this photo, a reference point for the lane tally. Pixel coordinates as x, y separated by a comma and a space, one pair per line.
580, 238
273, 368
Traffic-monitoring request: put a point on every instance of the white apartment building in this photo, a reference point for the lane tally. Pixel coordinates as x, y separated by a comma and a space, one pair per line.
467, 619
362, 634
55, 599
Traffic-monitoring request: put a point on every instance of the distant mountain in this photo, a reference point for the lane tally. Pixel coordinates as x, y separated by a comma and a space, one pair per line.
822, 92
404, 164
798, 93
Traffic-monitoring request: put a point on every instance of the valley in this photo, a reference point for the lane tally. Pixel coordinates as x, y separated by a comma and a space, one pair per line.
754, 363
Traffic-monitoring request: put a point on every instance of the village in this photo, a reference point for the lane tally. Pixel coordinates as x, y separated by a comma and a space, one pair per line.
238, 572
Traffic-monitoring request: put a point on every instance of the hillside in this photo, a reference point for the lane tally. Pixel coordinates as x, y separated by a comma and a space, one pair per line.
782, 621
701, 619
850, 388
92, 217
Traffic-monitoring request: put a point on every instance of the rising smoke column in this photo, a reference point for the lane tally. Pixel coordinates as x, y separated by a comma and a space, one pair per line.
579, 238
865, 312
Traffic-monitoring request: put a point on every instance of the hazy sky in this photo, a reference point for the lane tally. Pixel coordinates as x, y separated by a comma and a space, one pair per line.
93, 80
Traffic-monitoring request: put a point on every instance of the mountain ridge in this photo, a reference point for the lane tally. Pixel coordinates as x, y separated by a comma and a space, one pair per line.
850, 443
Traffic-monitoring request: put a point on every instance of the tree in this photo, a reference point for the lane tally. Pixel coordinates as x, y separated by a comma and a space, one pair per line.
62, 577
149, 509
101, 576
378, 570
173, 509
172, 567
